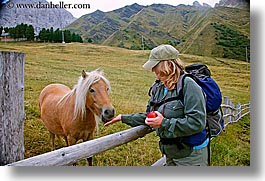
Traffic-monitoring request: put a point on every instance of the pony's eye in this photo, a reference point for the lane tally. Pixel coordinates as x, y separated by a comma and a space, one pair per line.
92, 91
107, 89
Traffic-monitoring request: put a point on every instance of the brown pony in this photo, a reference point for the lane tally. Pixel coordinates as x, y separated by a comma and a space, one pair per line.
72, 113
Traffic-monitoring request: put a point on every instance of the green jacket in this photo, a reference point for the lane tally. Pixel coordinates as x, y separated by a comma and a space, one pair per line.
181, 118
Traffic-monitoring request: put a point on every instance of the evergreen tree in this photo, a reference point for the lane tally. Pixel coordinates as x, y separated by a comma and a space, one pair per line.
51, 36
29, 32
47, 35
67, 36
43, 35
57, 35
22, 30
11, 32
89, 40
6, 29
73, 35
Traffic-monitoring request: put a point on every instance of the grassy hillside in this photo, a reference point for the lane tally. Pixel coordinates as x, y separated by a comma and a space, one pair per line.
222, 32
63, 63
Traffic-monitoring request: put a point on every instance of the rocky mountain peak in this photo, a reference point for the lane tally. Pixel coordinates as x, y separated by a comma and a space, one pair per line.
196, 4
241, 4
31, 13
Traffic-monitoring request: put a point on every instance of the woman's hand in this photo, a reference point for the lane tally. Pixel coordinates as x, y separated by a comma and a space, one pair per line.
155, 122
116, 119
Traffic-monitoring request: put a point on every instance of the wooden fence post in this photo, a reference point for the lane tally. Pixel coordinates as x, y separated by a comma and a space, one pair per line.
230, 119
238, 110
226, 109
11, 106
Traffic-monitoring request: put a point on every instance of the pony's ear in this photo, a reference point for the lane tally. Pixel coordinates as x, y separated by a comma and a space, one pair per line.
84, 74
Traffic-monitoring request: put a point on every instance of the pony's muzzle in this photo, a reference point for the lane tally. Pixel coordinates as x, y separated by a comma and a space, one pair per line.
107, 113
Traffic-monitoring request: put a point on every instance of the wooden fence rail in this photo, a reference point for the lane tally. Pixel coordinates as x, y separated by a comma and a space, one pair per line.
233, 114
72, 154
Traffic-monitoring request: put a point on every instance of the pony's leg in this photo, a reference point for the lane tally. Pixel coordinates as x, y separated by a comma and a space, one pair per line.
90, 137
89, 160
65, 138
70, 141
52, 136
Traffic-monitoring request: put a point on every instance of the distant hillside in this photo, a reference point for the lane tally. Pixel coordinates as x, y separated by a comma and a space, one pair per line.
37, 17
197, 29
98, 26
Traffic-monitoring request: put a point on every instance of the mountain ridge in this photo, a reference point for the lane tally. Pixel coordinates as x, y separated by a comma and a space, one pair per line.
195, 29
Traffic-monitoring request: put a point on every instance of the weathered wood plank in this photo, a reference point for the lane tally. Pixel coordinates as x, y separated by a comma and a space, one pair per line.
72, 154
160, 162
11, 106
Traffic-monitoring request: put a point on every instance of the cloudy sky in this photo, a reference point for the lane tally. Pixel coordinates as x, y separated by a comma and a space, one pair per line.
107, 5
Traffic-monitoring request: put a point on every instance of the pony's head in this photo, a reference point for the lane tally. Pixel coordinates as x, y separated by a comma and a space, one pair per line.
92, 93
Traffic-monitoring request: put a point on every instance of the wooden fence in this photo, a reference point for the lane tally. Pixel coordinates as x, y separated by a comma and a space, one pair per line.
12, 123
233, 114
72, 154
11, 106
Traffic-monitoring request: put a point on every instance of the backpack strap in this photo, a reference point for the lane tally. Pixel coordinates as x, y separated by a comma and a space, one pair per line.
209, 143
152, 89
179, 87
163, 101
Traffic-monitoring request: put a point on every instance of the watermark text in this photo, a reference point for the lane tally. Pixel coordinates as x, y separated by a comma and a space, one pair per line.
49, 5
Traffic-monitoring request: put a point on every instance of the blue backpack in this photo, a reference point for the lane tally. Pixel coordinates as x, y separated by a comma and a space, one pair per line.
214, 118
202, 76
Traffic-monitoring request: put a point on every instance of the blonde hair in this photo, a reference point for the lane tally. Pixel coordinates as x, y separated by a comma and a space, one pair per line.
170, 72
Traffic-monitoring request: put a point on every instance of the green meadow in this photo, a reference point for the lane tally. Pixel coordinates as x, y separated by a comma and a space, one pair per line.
48, 63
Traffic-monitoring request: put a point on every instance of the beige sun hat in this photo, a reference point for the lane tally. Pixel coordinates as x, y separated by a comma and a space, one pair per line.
160, 53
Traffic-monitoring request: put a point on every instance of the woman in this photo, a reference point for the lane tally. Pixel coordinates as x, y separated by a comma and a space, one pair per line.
181, 120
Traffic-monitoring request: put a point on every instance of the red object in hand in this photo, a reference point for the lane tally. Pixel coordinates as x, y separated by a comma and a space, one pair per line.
151, 114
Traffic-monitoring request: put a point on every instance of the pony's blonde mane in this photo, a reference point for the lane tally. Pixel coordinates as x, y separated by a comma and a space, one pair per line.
81, 90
